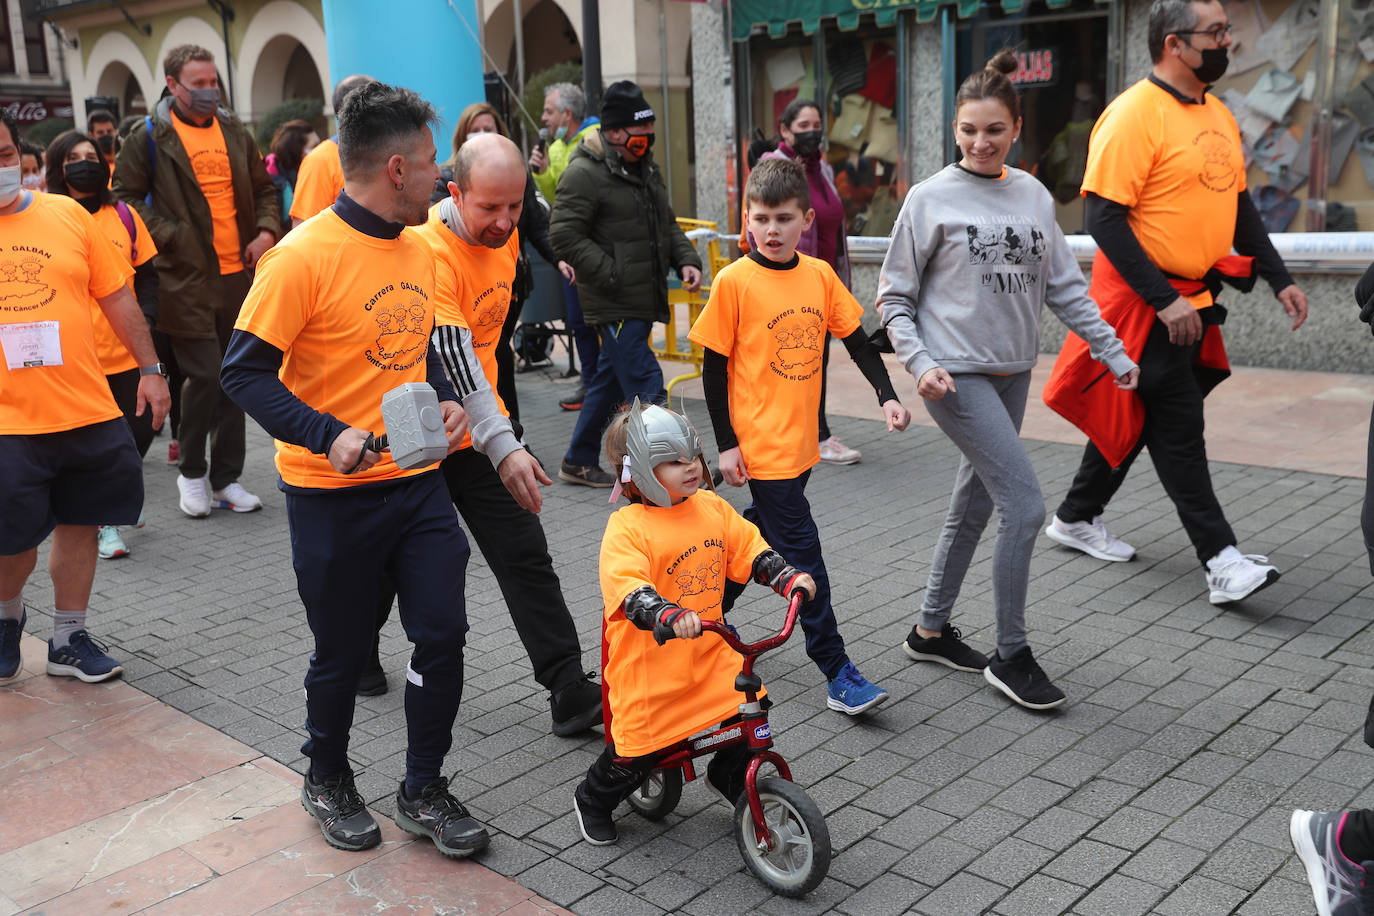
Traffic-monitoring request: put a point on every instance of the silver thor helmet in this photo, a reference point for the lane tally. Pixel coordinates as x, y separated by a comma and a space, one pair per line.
656, 435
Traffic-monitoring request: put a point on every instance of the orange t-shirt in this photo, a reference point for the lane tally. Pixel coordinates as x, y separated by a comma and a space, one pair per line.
771, 324
318, 181
114, 357
662, 694
353, 315
210, 161
53, 260
1178, 166
472, 290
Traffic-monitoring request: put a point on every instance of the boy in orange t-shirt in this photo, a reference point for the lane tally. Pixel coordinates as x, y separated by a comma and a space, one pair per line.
665, 560
762, 331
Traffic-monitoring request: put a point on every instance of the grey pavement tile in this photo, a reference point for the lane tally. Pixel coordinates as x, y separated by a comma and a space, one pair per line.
1129, 828
1163, 862
1201, 896
1120, 895
1042, 895
728, 893
962, 895
936, 861
1280, 896
557, 881
612, 901
1086, 863
1011, 862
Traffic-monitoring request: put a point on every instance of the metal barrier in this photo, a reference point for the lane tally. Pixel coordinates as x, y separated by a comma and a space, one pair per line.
672, 349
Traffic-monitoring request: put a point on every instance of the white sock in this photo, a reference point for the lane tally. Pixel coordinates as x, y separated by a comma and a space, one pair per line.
64, 624
12, 609
1227, 555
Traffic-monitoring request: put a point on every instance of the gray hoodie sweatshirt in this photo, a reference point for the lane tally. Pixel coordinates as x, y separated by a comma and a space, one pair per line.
972, 261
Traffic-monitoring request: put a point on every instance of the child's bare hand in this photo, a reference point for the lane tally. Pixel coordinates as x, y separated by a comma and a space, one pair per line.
806, 584
732, 467
896, 415
1129, 381
688, 626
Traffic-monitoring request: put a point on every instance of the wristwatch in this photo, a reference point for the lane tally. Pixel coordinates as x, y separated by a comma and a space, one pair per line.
154, 369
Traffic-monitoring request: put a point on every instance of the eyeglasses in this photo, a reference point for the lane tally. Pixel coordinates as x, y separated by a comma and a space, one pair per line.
1218, 32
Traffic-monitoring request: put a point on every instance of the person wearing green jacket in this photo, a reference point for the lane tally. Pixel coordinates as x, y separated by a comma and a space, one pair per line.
566, 121
614, 224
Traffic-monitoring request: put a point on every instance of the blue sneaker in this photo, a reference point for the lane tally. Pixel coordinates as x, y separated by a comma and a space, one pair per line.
84, 657
851, 692
10, 659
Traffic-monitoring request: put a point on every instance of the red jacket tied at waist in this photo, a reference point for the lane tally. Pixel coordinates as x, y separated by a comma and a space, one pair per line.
1080, 389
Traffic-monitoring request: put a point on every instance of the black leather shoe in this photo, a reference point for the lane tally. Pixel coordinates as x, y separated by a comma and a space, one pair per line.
373, 680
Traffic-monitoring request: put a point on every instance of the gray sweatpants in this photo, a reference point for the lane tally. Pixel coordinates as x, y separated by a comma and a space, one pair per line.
983, 418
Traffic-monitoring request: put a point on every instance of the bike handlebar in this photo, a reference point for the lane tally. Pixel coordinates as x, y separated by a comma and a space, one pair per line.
750, 648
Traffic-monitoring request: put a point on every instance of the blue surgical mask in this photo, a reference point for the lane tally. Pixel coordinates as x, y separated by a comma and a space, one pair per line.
11, 184
561, 132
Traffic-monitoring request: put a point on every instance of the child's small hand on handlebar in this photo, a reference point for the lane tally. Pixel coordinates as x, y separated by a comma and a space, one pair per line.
804, 583
688, 626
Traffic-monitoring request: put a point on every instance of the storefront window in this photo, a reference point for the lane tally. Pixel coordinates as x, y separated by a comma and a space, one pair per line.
1270, 88
854, 77
1064, 78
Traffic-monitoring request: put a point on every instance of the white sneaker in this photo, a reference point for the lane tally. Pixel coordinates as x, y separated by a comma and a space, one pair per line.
1092, 538
195, 496
237, 498
1232, 575
833, 451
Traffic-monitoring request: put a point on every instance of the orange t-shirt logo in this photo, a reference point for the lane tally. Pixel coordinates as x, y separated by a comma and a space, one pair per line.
1218, 172
403, 332
798, 353
21, 288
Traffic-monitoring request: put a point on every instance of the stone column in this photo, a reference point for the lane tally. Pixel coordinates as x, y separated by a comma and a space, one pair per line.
714, 111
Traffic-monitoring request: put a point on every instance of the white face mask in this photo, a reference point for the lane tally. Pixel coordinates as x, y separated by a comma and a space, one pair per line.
11, 184
33, 181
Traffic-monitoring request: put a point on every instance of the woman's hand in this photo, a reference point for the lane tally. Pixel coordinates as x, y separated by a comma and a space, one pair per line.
1129, 381
935, 384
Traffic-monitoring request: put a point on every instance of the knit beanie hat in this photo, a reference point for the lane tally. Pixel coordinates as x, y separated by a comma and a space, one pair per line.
624, 106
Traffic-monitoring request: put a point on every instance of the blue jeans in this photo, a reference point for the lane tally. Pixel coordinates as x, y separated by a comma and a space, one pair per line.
626, 364
584, 336
783, 515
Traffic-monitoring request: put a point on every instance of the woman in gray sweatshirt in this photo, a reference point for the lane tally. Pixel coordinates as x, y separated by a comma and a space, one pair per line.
975, 255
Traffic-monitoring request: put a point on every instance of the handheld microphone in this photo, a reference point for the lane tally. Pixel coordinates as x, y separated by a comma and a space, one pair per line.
543, 139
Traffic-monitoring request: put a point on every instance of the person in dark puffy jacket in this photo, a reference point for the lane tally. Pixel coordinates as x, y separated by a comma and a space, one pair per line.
614, 224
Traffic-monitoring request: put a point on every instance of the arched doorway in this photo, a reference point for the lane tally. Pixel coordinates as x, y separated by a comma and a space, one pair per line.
118, 82
285, 70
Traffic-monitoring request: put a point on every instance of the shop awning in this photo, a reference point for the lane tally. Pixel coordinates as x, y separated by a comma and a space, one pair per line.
779, 14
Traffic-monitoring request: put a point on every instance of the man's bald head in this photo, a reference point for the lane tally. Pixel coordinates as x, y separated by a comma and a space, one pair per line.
345, 86
487, 158
489, 187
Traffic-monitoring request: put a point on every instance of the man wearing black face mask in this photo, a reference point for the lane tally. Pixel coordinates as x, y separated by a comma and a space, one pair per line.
211, 208
615, 226
1166, 201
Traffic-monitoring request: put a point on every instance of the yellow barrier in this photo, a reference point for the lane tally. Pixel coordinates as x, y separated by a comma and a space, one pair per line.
671, 349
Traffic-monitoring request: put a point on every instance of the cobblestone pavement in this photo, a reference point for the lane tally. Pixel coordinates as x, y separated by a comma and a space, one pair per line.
1163, 787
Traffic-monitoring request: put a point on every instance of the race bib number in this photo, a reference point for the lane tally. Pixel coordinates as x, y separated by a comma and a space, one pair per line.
31, 344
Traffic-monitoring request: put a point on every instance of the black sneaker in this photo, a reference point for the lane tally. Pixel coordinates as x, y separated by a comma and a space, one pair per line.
596, 824
372, 683
947, 649
574, 400
344, 819
576, 707
1022, 679
589, 475
441, 817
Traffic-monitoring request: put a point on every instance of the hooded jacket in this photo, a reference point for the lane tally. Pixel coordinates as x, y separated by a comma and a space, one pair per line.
616, 227
178, 216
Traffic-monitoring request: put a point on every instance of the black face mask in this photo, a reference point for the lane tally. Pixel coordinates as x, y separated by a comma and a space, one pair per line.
84, 176
1213, 66
807, 142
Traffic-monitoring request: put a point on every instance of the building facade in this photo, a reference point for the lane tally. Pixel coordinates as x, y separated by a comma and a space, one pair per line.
33, 78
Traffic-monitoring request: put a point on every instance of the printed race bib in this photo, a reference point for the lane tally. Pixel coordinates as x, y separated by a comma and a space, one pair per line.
31, 344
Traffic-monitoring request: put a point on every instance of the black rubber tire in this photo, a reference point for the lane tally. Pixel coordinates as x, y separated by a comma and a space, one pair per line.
801, 856
658, 795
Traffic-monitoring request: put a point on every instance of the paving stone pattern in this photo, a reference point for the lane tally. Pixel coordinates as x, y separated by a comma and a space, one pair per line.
1163, 787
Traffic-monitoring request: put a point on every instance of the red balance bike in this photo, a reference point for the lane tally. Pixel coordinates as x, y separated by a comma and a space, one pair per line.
780, 832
